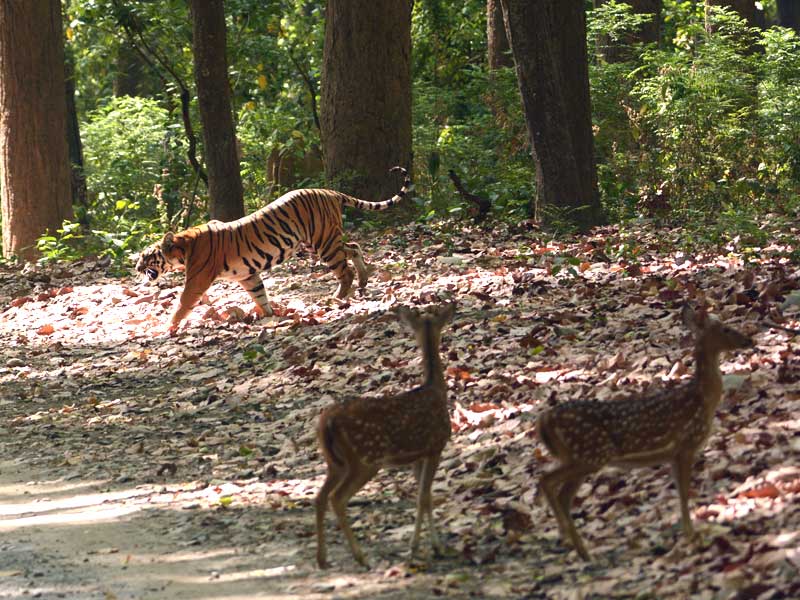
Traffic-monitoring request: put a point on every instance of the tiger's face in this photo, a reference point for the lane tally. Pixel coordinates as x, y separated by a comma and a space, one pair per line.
158, 258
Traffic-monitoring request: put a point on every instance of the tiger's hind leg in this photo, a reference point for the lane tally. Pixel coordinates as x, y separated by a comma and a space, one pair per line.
353, 252
335, 256
254, 286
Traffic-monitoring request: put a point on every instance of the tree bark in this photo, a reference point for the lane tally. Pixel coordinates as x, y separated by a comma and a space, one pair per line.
548, 39
366, 94
225, 193
650, 32
499, 52
789, 14
74, 144
34, 161
745, 8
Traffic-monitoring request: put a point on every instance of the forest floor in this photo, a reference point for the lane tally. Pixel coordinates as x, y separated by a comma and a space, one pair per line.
134, 464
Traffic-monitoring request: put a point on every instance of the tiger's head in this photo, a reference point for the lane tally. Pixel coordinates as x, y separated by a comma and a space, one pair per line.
166, 255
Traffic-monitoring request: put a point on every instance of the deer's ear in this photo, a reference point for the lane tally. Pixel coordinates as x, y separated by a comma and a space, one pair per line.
407, 315
445, 314
695, 319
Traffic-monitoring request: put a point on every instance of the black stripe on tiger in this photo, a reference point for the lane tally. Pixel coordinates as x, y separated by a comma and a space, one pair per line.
239, 250
355, 202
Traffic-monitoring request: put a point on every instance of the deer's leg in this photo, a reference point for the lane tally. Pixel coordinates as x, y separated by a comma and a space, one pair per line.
682, 473
354, 253
567, 493
254, 286
332, 481
559, 486
353, 479
425, 470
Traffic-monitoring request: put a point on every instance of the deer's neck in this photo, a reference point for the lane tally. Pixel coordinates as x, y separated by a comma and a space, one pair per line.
431, 361
708, 376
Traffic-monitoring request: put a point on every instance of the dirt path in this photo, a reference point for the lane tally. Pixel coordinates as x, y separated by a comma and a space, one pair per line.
84, 539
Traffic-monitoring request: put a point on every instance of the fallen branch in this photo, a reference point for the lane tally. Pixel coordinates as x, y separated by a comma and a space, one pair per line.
484, 205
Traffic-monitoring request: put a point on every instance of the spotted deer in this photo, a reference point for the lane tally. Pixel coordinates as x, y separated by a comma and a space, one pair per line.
360, 436
668, 426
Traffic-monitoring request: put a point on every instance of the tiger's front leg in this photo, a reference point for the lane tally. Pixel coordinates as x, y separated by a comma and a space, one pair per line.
254, 286
193, 290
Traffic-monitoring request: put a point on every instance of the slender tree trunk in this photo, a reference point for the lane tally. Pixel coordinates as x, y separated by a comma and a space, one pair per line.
366, 94
34, 161
650, 32
548, 38
74, 145
789, 14
499, 52
214, 96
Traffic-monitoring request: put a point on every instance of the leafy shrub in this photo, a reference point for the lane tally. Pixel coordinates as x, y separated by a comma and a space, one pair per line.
703, 130
126, 147
126, 235
458, 129
779, 114
132, 167
264, 131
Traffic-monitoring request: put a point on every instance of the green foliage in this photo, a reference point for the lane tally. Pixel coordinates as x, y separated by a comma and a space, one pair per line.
457, 129
449, 38
132, 160
779, 116
126, 147
703, 130
124, 235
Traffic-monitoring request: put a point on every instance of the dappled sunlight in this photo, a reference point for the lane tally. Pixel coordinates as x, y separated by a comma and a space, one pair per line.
222, 578
188, 465
44, 504
90, 514
36, 491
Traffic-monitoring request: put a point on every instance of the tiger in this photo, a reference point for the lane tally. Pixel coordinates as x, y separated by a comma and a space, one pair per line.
240, 250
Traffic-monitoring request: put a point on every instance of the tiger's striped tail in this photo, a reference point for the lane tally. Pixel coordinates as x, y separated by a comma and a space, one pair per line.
364, 205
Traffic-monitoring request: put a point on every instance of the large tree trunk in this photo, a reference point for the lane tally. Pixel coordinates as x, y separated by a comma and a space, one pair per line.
650, 32
745, 8
499, 52
548, 38
789, 14
214, 96
34, 163
366, 94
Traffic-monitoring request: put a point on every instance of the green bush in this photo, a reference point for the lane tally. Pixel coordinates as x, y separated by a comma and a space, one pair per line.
133, 170
125, 235
127, 144
458, 129
779, 115
703, 130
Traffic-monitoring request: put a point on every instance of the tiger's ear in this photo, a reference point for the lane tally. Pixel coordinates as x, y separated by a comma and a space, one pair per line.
172, 242
168, 242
